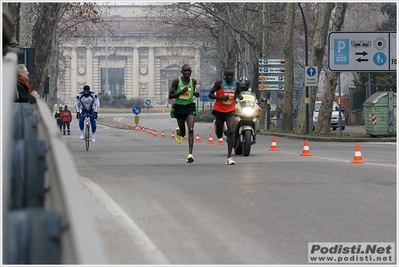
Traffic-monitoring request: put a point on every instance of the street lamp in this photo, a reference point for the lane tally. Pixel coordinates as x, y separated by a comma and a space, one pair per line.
306, 64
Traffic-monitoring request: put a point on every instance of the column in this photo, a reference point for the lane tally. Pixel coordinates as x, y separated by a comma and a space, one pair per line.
89, 67
151, 73
136, 74
74, 73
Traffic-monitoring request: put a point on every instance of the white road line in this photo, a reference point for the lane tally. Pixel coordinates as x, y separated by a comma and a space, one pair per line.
147, 248
342, 160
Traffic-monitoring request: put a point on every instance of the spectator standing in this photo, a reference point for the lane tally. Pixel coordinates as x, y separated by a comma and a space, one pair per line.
66, 118
23, 87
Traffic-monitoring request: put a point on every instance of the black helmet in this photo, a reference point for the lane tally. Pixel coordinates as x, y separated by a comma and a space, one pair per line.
246, 81
86, 88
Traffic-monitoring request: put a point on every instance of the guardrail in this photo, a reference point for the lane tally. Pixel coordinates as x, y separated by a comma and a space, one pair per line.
45, 216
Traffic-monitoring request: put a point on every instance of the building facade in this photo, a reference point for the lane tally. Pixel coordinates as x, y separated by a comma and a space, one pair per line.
141, 61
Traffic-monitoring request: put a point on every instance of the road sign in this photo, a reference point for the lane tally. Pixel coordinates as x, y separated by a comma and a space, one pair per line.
271, 70
204, 95
311, 76
271, 78
266, 61
362, 51
148, 102
136, 110
393, 48
267, 87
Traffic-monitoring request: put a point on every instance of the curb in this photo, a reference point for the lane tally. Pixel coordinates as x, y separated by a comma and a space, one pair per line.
332, 139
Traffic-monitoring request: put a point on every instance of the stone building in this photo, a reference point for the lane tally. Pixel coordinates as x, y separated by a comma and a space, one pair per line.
142, 61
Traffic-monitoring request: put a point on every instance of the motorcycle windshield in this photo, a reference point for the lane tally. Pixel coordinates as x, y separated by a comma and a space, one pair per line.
248, 100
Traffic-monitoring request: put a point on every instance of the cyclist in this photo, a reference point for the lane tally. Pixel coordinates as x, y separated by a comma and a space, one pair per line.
87, 101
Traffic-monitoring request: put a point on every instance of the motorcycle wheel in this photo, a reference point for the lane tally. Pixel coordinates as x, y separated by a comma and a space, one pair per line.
247, 142
237, 146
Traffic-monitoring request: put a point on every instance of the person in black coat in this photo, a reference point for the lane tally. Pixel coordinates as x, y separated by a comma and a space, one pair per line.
23, 87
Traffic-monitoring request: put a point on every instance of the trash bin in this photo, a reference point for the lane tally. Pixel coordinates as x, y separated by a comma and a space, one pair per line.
380, 114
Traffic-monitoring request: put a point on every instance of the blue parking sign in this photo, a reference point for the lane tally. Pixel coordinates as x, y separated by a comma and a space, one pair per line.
341, 51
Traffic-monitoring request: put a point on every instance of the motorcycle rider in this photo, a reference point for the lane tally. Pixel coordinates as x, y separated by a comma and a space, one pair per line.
245, 84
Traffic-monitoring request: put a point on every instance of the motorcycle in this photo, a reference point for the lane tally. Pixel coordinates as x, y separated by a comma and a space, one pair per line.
246, 123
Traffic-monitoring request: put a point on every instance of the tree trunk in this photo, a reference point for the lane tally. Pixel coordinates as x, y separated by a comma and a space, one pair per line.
318, 51
289, 66
43, 43
324, 119
25, 25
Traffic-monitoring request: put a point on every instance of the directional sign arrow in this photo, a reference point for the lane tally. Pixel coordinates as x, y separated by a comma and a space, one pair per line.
361, 59
361, 53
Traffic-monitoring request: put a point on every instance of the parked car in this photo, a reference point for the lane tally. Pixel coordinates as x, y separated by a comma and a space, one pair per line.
334, 116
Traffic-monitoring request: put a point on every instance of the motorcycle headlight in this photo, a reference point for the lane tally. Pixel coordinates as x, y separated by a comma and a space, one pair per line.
248, 110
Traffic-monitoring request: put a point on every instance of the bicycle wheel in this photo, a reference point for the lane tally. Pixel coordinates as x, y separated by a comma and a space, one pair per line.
87, 137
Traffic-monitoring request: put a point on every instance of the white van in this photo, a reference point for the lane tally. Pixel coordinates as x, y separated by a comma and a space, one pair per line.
334, 116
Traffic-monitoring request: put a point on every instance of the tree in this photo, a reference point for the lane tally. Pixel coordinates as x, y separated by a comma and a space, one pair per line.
324, 118
39, 28
318, 53
43, 40
289, 66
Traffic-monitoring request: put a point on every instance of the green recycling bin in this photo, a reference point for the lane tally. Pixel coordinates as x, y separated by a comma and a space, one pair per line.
380, 114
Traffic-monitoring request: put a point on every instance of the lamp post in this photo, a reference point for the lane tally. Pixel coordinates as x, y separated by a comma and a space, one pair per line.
306, 64
106, 48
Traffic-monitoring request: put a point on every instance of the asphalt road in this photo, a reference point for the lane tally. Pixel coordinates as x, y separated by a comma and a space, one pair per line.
151, 207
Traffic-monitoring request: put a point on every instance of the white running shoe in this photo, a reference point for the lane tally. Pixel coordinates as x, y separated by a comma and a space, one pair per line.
82, 137
93, 138
230, 161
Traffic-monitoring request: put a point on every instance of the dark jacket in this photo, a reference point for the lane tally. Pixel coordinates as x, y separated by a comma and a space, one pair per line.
22, 94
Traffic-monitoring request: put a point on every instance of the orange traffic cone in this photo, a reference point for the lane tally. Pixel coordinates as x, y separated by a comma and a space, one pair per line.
210, 140
358, 155
173, 135
273, 146
163, 134
210, 126
154, 133
143, 130
220, 141
197, 138
185, 138
306, 151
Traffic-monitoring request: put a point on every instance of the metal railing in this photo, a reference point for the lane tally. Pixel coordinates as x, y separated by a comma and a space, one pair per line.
46, 219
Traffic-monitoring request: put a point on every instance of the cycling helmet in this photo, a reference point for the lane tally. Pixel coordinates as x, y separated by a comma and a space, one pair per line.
86, 88
246, 81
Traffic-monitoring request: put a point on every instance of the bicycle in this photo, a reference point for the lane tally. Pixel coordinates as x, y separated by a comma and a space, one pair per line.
87, 131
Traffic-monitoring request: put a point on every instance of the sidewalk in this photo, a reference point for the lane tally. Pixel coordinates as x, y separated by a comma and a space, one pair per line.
345, 137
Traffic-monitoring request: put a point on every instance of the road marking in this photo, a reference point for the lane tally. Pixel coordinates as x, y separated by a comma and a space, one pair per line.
342, 160
147, 248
